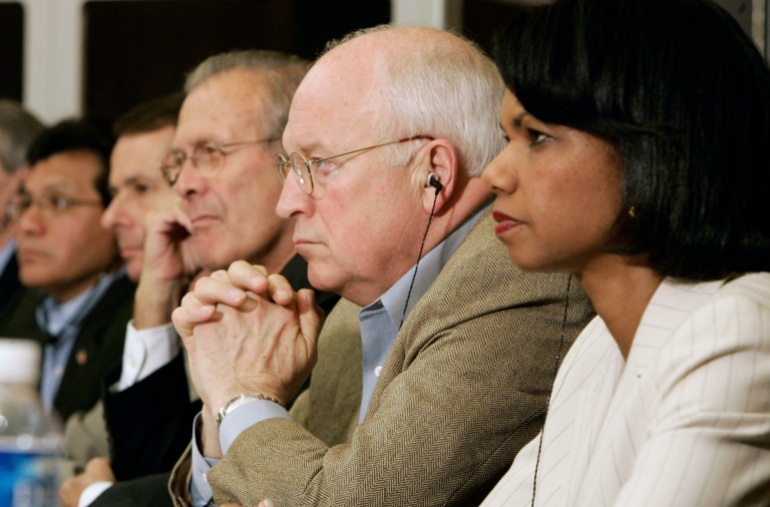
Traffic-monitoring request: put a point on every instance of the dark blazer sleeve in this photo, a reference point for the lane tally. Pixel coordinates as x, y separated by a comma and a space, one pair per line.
149, 423
148, 491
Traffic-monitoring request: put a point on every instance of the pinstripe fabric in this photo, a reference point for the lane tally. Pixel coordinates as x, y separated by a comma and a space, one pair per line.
685, 422
463, 388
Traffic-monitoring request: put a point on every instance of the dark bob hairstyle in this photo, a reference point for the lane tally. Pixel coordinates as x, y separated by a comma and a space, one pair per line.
683, 95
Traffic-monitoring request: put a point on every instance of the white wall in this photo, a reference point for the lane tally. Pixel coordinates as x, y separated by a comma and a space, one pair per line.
53, 57
436, 13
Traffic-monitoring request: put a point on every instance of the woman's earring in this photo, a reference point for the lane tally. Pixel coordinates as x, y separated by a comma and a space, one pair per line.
632, 212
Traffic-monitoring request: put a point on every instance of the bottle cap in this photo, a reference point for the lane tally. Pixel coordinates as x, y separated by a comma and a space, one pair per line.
19, 361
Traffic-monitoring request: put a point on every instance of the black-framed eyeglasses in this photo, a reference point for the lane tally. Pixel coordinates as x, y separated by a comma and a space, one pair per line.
49, 205
207, 158
311, 173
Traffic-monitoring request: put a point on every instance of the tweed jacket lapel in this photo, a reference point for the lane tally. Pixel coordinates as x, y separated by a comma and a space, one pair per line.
477, 280
329, 409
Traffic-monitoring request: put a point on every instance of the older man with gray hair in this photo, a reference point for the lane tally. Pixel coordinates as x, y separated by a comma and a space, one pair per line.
386, 138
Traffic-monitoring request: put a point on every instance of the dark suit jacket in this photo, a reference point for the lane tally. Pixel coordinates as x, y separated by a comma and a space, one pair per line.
147, 491
464, 387
149, 424
98, 345
9, 283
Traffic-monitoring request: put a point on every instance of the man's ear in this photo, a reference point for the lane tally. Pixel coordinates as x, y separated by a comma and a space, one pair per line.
441, 169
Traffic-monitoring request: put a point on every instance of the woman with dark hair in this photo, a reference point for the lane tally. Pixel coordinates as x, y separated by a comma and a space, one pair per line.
639, 161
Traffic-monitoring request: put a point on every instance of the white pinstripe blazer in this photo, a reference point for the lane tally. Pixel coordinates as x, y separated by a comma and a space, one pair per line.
685, 422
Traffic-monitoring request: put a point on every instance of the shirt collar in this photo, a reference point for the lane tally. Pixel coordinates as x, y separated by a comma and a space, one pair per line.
56, 316
428, 270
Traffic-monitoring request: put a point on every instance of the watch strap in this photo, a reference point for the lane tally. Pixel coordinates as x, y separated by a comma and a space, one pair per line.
242, 399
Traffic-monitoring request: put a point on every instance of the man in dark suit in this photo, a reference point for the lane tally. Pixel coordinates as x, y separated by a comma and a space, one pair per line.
138, 188
387, 136
17, 130
77, 299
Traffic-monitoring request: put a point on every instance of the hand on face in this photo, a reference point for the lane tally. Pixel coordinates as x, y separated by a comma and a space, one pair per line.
169, 253
97, 470
246, 332
170, 261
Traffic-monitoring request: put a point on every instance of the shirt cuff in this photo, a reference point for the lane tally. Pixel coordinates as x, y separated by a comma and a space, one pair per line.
233, 425
92, 492
199, 487
145, 351
247, 415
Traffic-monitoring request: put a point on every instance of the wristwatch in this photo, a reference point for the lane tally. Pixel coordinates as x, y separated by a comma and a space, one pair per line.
239, 400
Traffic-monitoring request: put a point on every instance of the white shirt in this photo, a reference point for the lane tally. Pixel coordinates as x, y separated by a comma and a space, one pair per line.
146, 351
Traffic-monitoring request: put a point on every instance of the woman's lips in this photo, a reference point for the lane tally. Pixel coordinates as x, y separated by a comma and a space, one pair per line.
504, 222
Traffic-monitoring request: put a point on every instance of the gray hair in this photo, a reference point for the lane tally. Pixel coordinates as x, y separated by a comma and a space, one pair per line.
281, 72
444, 88
18, 128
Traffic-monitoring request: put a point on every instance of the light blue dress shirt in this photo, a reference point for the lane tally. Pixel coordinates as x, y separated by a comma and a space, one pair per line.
379, 323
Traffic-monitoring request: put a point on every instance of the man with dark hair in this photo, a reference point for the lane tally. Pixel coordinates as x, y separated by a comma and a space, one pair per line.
79, 298
17, 130
137, 187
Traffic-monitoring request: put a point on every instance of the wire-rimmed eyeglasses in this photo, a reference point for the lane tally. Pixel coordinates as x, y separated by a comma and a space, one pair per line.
49, 205
207, 158
311, 173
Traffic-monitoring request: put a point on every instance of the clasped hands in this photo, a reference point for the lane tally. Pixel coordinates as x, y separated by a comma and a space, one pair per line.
248, 332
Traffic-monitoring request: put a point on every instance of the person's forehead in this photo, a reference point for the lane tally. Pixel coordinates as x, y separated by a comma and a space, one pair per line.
220, 108
140, 154
74, 170
336, 104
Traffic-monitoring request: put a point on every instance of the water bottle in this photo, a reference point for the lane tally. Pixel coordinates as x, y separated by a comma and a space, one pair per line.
29, 440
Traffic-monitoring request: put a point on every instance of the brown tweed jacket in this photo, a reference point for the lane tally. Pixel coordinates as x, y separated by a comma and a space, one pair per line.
464, 387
